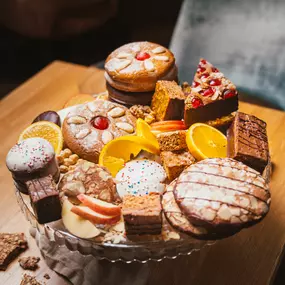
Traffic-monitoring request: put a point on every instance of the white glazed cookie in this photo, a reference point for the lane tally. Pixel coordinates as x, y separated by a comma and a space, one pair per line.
222, 192
87, 128
175, 216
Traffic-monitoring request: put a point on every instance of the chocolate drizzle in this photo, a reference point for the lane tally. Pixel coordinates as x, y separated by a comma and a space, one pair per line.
222, 187
218, 175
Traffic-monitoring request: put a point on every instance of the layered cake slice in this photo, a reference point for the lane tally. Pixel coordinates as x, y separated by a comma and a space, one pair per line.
248, 142
170, 141
168, 101
142, 214
211, 95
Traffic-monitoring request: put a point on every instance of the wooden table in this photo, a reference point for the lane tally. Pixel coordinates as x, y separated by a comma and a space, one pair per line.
250, 257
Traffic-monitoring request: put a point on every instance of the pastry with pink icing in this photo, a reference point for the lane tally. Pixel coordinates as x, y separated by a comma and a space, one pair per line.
30, 159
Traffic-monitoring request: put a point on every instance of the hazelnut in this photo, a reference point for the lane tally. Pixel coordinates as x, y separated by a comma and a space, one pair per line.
63, 169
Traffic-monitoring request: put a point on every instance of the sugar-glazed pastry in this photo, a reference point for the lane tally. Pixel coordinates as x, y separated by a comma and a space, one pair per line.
88, 127
30, 159
140, 177
222, 193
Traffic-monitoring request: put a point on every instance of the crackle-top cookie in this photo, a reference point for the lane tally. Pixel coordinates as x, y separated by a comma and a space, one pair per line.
88, 127
136, 67
222, 192
90, 179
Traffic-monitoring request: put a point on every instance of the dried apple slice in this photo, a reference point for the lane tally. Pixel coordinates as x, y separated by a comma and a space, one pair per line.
75, 224
94, 217
99, 206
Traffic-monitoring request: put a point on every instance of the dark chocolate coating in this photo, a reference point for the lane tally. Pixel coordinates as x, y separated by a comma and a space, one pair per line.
129, 99
50, 116
44, 199
211, 111
248, 142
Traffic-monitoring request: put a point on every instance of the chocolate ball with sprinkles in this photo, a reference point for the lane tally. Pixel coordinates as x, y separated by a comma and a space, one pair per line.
31, 158
140, 177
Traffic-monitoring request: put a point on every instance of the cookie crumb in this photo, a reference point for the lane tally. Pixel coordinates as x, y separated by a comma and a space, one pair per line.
29, 262
29, 280
46, 276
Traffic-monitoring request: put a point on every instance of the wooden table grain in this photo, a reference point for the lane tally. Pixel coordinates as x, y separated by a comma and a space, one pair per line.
250, 257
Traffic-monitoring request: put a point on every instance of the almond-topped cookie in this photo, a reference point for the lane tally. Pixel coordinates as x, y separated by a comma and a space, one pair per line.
88, 127
136, 67
222, 192
133, 69
90, 179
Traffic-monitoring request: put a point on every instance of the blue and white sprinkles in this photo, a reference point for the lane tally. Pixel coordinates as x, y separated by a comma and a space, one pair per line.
140, 177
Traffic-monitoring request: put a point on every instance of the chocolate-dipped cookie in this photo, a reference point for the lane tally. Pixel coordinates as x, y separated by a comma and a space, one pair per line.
88, 127
30, 159
222, 193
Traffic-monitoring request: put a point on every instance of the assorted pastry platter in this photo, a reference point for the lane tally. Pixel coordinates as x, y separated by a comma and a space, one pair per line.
152, 168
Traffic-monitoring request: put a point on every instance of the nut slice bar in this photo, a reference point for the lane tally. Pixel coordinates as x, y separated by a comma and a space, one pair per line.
174, 162
11, 245
44, 199
248, 142
211, 95
142, 214
171, 141
168, 101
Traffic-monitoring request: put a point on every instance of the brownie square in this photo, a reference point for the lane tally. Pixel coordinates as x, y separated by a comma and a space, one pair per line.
142, 214
248, 142
44, 199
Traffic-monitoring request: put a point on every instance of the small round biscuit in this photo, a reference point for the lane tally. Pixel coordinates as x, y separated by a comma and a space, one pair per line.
136, 67
88, 127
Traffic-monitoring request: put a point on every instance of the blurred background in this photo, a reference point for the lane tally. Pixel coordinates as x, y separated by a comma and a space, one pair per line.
36, 32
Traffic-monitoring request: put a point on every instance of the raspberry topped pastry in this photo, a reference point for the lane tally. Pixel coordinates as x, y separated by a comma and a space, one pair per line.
211, 96
133, 70
88, 127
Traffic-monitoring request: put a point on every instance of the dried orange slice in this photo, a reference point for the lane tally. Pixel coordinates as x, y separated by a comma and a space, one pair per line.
46, 130
79, 99
120, 150
204, 141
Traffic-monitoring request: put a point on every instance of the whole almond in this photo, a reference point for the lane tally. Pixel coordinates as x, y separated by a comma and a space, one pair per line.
76, 120
125, 127
158, 50
116, 112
